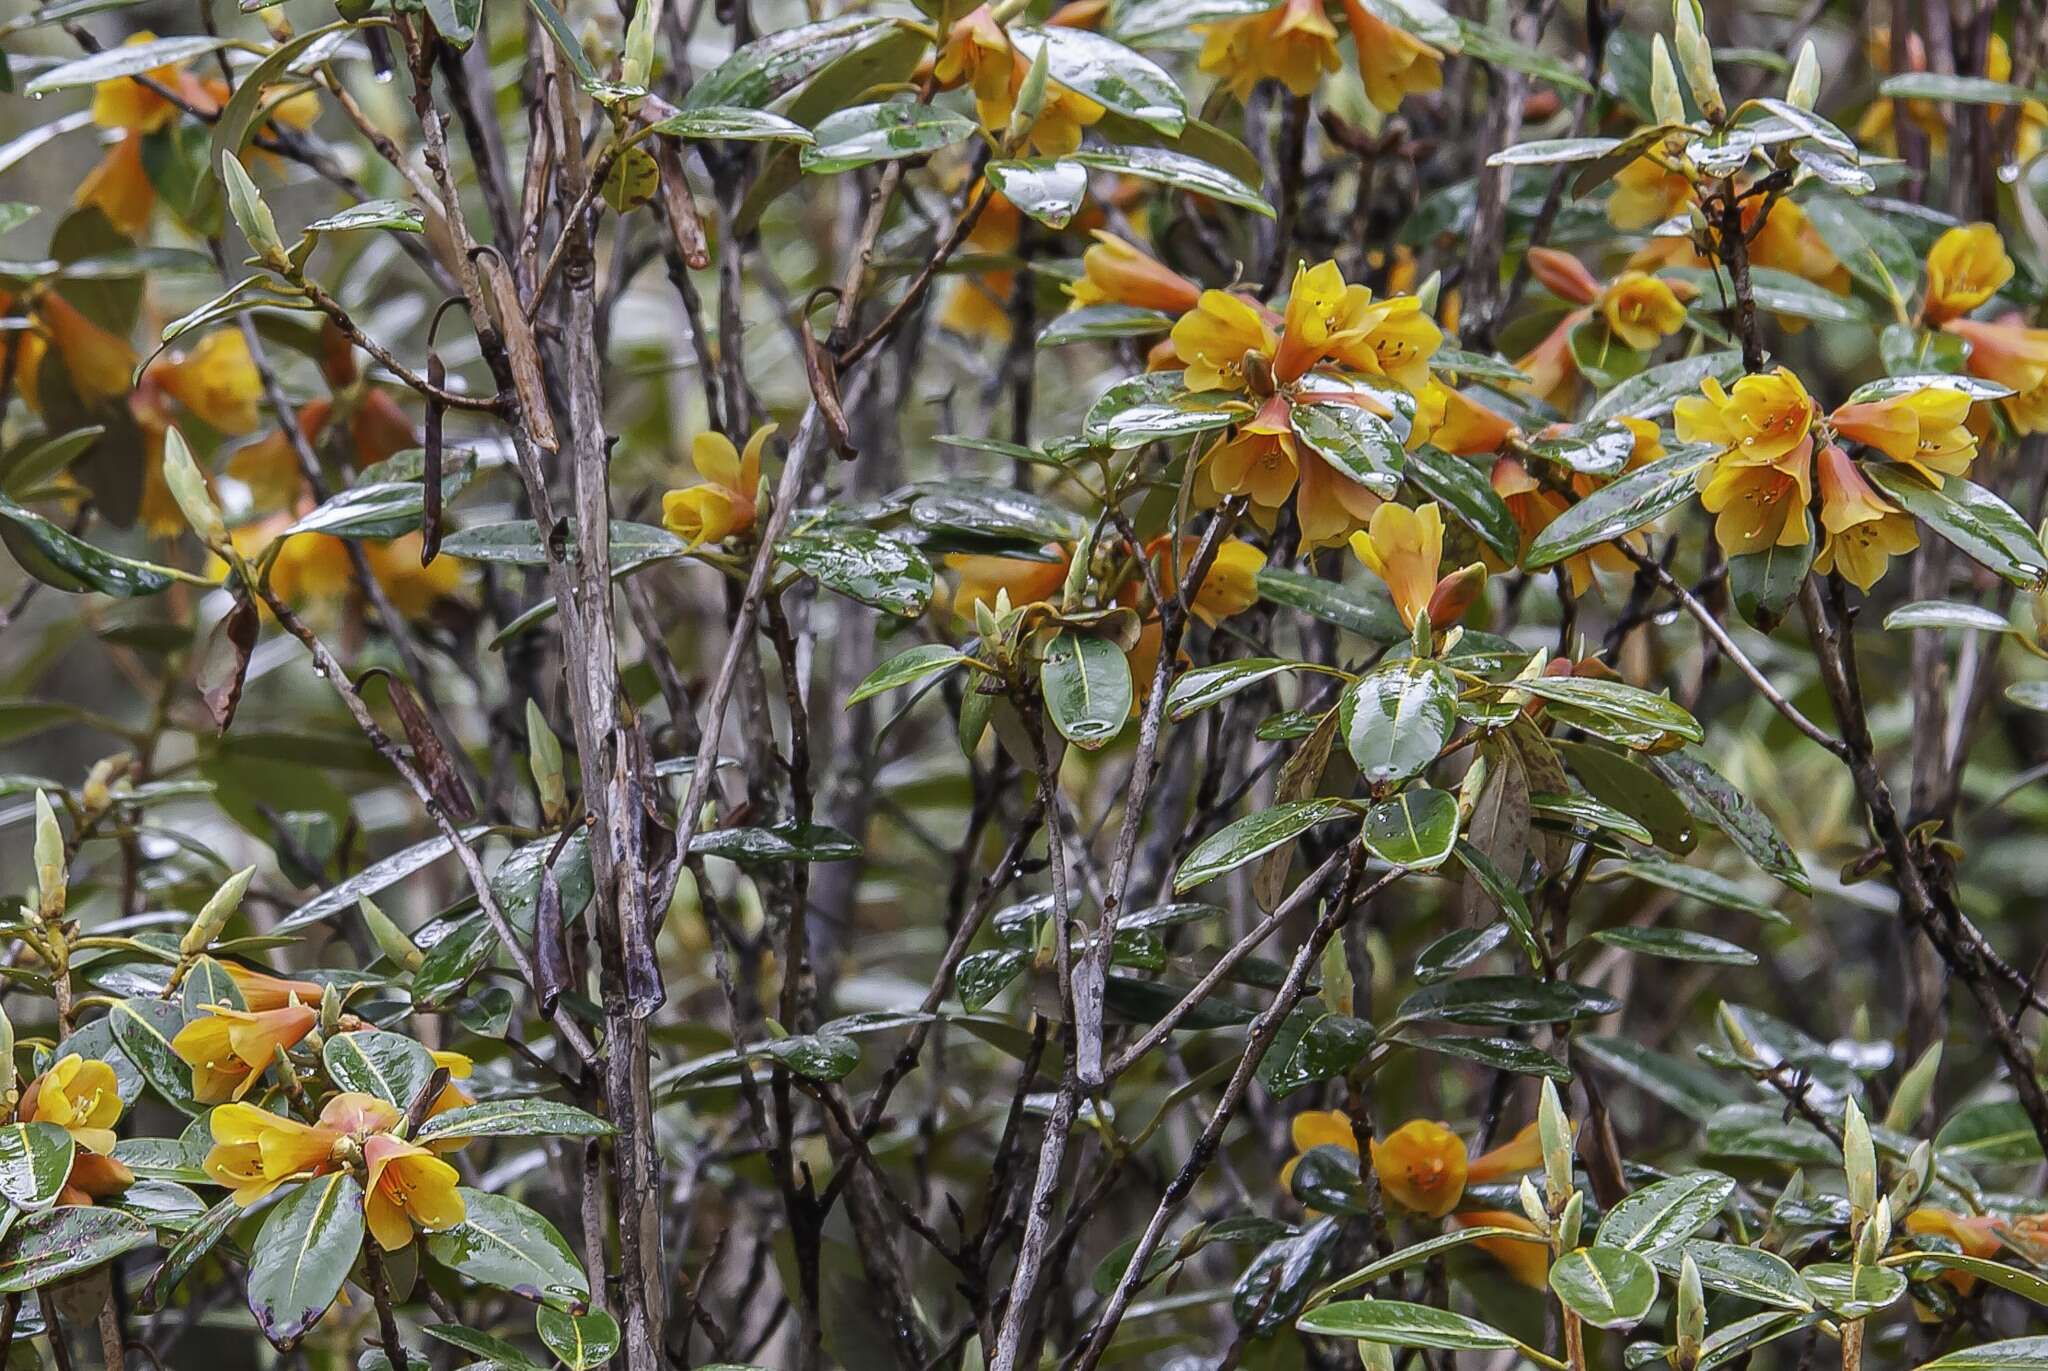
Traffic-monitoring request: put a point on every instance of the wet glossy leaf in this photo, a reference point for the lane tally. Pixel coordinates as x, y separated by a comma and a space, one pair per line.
1398, 719
1095, 322
1086, 682
1707, 793
873, 568
2022, 1283
521, 1118
1196, 690
1608, 1287
144, 1029
1497, 1054
913, 664
1465, 489
1546, 152
390, 1066
1748, 1273
58, 559
1358, 444
506, 1246
1175, 169
1677, 944
1852, 1292
1651, 394
867, 134
35, 1160
1991, 1133
1623, 506
1508, 1001
303, 1254
1665, 1213
1105, 71
1371, 616
1625, 784
579, 1341
784, 842
1971, 517
1254, 835
129, 59
1156, 407
770, 66
46, 1247
397, 215
1048, 189
2012, 1354
733, 123
983, 975
1394, 1323
1967, 90
1947, 614
1626, 708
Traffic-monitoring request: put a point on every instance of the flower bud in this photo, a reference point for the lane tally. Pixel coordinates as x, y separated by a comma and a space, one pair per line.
1555, 1131
1692, 1315
1454, 595
1859, 1163
1738, 1041
188, 488
1569, 1220
1532, 1206
330, 1009
50, 877
389, 937
1696, 59
1912, 1182
8, 1078
1804, 88
213, 917
1876, 1235
1665, 102
1030, 97
1915, 1086
544, 758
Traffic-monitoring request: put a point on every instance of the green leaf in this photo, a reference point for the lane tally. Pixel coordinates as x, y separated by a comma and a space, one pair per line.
1395, 1323
1499, 50
1398, 719
1416, 829
1583, 811
1156, 407
866, 134
733, 123
1627, 504
67, 563
129, 59
1652, 393
1779, 292
1608, 1287
579, 1341
1087, 686
1156, 18
756, 74
1852, 1292
981, 512
1685, 1086
1498, 1054
398, 215
1595, 449
983, 975
1048, 189
1550, 152
35, 1161
1358, 444
378, 875
1665, 1213
144, 1029
390, 1066
913, 664
1615, 707
1991, 1133
1508, 1001
191, 1248
1106, 72
1947, 614
2013, 1354
303, 1254
1176, 169
1196, 690
1763, 1132
45, 1248
1765, 583
2028, 694
1092, 323
1748, 1273
518, 543
1709, 796
1355, 610
1621, 781
1971, 517
1963, 90
873, 568
1254, 835
381, 509
506, 1246
1466, 490
2023, 1283
784, 842
1416, 1253
1677, 944
522, 1118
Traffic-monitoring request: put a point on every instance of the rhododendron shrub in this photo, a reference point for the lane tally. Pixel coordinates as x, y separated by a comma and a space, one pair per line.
1023, 686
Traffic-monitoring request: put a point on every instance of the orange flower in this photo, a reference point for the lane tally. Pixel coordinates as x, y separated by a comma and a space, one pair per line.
1759, 506
1646, 193
1642, 310
1116, 272
1788, 241
1534, 509
1392, 62
93, 1178
1294, 43
1925, 429
1862, 551
2017, 358
1553, 375
1422, 1166
126, 103
1527, 1262
1231, 585
1404, 547
1564, 276
99, 364
260, 990
723, 503
1965, 267
229, 1049
978, 305
255, 1151
1976, 1235
984, 578
119, 186
1458, 424
217, 380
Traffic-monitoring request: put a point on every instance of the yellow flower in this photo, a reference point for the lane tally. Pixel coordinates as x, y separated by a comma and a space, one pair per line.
1421, 1166
1788, 241
452, 1096
1393, 338
229, 1049
1328, 505
1925, 429
1403, 547
125, 103
217, 381
409, 1187
1646, 193
1862, 551
1213, 338
1392, 62
1294, 43
119, 186
983, 578
1116, 272
309, 567
1533, 509
255, 1151
1965, 267
80, 1097
1231, 585
98, 363
1759, 505
2016, 357
1320, 307
1641, 310
724, 503
1845, 496
1761, 419
1261, 462
260, 990
978, 53
414, 589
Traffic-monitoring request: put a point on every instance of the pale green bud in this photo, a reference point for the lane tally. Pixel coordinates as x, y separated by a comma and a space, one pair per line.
544, 758
1912, 1182
1696, 59
1910, 1102
1569, 1221
1692, 1315
1555, 1131
1030, 97
1804, 88
188, 488
389, 937
214, 916
1859, 1163
50, 863
1665, 102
